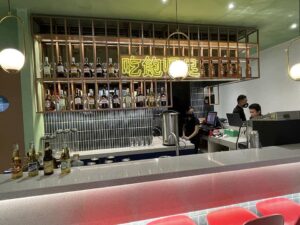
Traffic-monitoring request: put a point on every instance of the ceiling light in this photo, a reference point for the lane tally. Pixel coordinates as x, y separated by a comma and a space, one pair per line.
231, 5
294, 26
164, 1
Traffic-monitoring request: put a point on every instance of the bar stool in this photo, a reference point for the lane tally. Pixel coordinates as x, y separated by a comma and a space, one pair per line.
173, 220
267, 220
289, 209
230, 216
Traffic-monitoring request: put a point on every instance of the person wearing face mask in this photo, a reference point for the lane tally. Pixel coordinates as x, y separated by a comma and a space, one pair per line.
191, 128
242, 103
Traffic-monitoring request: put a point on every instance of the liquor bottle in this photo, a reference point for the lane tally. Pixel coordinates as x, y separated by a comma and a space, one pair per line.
78, 99
48, 160
103, 103
202, 69
140, 98
48, 101
249, 71
151, 98
115, 99
163, 97
85, 102
60, 70
65, 160
99, 70
230, 69
127, 100
47, 68
74, 69
33, 164
116, 69
86, 68
104, 66
91, 99
62, 100
17, 169
111, 69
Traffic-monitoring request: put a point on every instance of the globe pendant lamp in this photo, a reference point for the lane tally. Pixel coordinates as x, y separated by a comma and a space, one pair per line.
178, 68
294, 70
12, 60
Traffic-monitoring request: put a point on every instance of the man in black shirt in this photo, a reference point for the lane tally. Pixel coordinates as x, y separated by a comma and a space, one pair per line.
242, 103
191, 128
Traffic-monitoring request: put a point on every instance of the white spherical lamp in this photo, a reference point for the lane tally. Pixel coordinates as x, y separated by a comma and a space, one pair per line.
11, 60
178, 69
295, 72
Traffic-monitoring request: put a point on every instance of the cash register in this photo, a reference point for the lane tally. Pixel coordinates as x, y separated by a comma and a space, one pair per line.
211, 122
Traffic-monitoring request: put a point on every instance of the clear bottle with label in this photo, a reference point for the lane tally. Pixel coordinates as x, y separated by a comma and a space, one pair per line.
33, 164
116, 99
111, 68
87, 69
91, 99
48, 101
127, 100
65, 160
151, 98
104, 102
47, 69
140, 98
85, 102
78, 99
163, 97
99, 69
62, 100
17, 168
74, 69
60, 69
48, 160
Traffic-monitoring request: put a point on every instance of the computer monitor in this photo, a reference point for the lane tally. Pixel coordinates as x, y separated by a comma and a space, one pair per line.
234, 119
211, 119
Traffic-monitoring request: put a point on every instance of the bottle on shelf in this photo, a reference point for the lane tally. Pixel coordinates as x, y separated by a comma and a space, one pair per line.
47, 69
116, 69
111, 68
127, 100
104, 66
65, 160
202, 69
74, 69
17, 168
222, 72
150, 98
62, 100
60, 69
212, 69
99, 69
91, 99
48, 160
78, 99
115, 99
87, 69
85, 102
163, 97
103, 100
230, 69
140, 98
48, 101
33, 164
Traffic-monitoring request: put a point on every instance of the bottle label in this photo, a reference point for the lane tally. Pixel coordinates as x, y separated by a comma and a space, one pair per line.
62, 102
140, 98
77, 101
33, 166
48, 104
47, 71
116, 101
65, 164
86, 70
60, 69
128, 99
73, 70
99, 70
48, 166
91, 101
104, 102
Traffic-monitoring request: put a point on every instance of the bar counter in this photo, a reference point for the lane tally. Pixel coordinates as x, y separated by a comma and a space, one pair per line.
134, 191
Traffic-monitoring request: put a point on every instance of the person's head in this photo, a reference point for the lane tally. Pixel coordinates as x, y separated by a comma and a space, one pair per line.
242, 101
255, 110
190, 111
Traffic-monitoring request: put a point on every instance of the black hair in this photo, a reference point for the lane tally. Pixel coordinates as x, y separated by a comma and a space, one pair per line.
255, 106
190, 107
241, 97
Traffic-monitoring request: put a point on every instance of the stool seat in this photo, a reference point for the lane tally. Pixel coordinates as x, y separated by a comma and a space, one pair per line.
289, 209
173, 220
230, 216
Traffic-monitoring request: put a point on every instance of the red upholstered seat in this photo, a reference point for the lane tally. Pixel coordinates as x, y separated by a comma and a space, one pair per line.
230, 216
173, 220
289, 209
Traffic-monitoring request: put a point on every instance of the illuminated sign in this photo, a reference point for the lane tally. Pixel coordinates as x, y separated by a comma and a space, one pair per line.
154, 67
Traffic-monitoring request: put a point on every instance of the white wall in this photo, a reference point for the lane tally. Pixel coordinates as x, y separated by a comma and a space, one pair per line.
274, 91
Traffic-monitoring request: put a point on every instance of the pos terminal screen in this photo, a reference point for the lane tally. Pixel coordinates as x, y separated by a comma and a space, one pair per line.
211, 118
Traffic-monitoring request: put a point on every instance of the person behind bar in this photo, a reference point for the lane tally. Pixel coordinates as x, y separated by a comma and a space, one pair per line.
241, 104
255, 111
191, 128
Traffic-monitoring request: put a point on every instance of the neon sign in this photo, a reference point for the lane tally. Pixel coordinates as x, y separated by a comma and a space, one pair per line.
154, 67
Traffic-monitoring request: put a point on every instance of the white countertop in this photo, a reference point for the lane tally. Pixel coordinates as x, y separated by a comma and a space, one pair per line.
97, 176
156, 146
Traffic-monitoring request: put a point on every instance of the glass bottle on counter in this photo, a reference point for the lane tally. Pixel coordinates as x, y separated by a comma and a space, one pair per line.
17, 169
74, 69
33, 164
48, 160
115, 99
91, 99
103, 101
87, 69
46, 68
60, 69
163, 97
127, 100
65, 161
140, 98
78, 100
99, 70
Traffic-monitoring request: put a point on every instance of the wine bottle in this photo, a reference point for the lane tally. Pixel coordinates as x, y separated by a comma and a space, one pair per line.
86, 68
111, 69
60, 70
103, 103
127, 99
99, 70
78, 100
47, 68
33, 165
62, 100
151, 98
48, 102
140, 98
48, 160
17, 169
115, 99
74, 69
91, 99
163, 97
